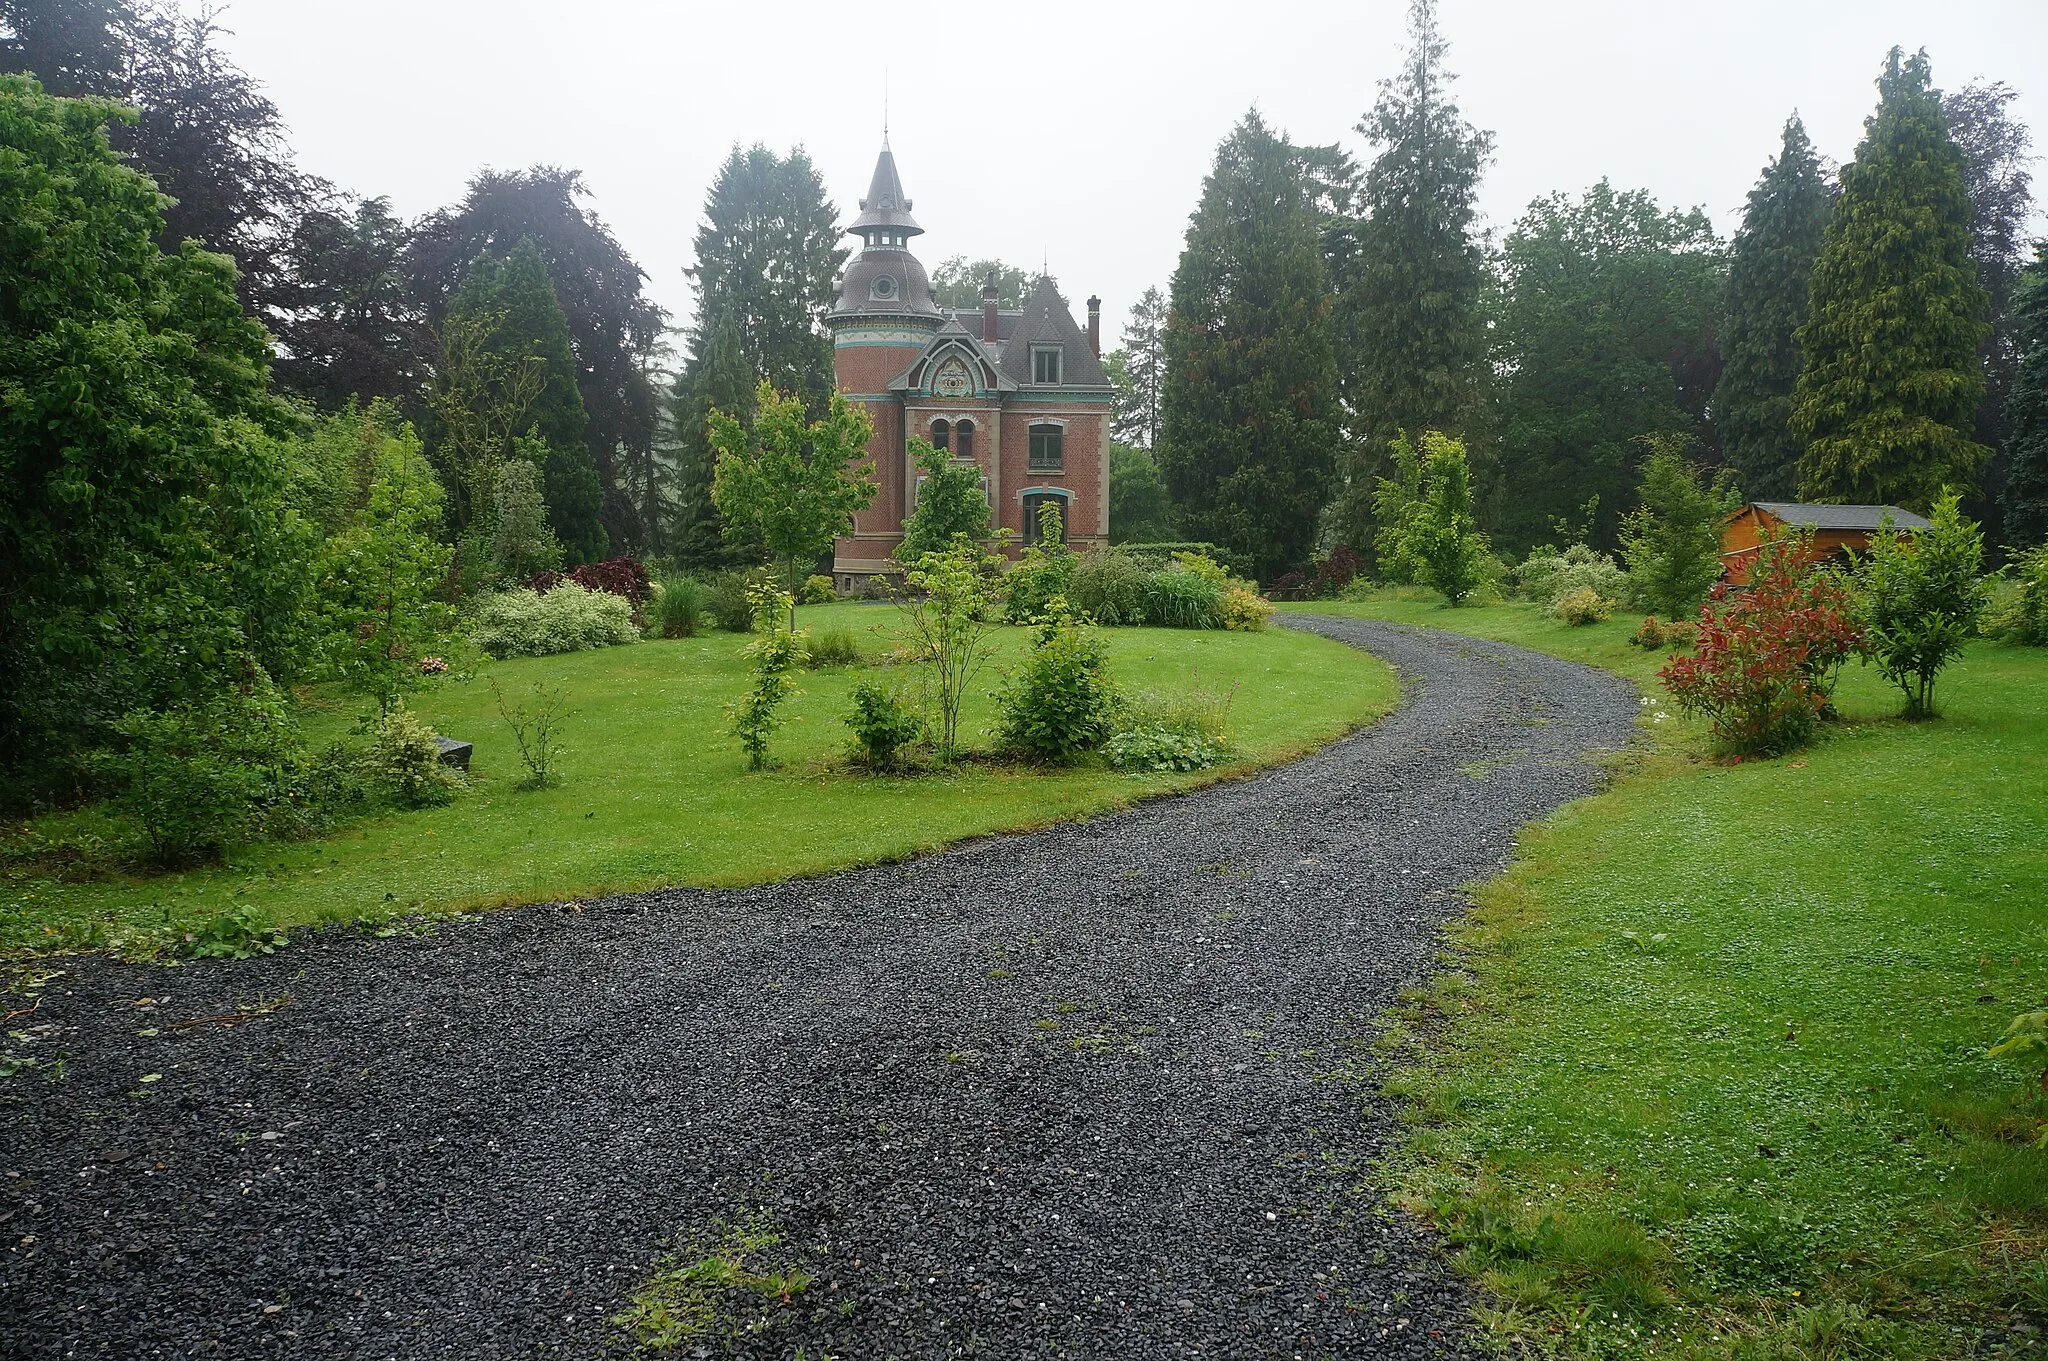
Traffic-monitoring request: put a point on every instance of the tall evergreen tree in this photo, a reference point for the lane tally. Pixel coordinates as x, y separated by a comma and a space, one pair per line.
2026, 409
518, 322
1888, 397
1770, 268
1248, 413
1411, 335
345, 317
767, 259
1996, 155
1141, 361
1605, 310
613, 327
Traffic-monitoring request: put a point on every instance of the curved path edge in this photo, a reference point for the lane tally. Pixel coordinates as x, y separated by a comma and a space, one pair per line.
1103, 1090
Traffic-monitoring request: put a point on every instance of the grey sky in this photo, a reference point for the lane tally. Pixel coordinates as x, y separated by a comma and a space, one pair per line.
1078, 133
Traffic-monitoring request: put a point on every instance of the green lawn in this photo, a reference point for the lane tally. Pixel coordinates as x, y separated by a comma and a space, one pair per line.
1706, 1075
655, 793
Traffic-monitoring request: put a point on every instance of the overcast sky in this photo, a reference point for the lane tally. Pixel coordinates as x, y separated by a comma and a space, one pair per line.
1074, 133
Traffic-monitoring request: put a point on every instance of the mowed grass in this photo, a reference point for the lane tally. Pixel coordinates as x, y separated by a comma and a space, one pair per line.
1706, 1074
654, 791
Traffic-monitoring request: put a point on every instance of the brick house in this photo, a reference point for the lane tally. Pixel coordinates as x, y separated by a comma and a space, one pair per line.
1020, 394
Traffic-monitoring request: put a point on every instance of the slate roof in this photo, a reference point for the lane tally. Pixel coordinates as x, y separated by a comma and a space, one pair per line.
886, 204
1046, 319
1839, 517
970, 321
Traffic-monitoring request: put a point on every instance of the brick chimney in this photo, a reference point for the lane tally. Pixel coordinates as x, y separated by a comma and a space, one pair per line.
1095, 326
991, 294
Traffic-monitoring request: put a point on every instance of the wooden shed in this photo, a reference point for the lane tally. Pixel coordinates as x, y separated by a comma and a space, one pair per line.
1836, 529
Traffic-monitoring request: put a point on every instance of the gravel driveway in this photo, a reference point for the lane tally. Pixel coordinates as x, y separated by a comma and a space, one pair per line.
1100, 1091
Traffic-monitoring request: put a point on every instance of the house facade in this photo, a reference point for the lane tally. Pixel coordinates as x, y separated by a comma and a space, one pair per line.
1020, 394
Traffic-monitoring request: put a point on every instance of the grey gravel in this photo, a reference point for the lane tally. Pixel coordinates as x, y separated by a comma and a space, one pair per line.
1099, 1091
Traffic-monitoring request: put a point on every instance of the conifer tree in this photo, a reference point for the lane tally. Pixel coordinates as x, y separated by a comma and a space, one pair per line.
1412, 338
1142, 359
1891, 382
1248, 408
508, 308
1768, 276
2026, 410
767, 259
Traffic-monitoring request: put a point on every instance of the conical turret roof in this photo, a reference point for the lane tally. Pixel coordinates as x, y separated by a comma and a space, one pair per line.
886, 204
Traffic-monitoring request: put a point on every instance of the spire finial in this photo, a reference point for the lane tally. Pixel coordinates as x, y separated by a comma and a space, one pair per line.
885, 106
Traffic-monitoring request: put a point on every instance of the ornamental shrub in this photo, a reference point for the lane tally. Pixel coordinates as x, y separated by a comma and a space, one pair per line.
883, 723
1582, 607
681, 606
1765, 658
1178, 597
1547, 576
1109, 587
1243, 609
195, 777
404, 762
774, 657
623, 577
2023, 618
1921, 597
1062, 704
817, 590
1044, 573
567, 619
1649, 637
835, 646
730, 604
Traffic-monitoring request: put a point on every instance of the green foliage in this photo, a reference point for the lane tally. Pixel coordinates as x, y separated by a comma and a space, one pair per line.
730, 599
1043, 576
238, 933
1412, 337
724, 1292
521, 542
536, 726
956, 591
681, 606
1769, 273
1108, 587
1672, 542
755, 716
883, 723
509, 371
835, 646
1396, 502
1921, 597
2026, 409
950, 501
1179, 597
1248, 411
1138, 372
794, 483
1139, 508
957, 282
1604, 322
818, 590
767, 256
1181, 731
1440, 534
1888, 397
1583, 606
1243, 609
146, 536
195, 776
380, 575
1061, 704
567, 618
1546, 575
404, 762
2024, 617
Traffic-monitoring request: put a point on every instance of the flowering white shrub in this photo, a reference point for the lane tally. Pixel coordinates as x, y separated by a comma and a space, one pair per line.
566, 619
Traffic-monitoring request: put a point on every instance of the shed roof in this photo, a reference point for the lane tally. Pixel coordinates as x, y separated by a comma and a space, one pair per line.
1839, 517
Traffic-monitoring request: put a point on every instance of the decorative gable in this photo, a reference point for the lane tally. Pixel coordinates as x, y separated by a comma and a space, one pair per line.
953, 365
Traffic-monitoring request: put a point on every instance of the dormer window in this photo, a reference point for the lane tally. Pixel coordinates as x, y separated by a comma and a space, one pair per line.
1045, 363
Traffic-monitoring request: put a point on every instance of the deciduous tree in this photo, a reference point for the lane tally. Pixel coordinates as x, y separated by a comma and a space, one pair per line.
950, 500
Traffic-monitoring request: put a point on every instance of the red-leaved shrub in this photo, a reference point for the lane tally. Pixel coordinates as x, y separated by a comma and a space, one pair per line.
621, 576
1766, 656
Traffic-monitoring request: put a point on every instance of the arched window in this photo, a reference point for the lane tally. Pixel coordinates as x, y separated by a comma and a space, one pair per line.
941, 433
963, 440
1037, 500
1048, 452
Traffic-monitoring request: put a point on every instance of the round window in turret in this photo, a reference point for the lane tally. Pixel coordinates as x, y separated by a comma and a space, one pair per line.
884, 287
